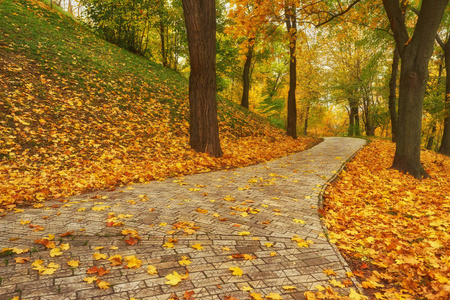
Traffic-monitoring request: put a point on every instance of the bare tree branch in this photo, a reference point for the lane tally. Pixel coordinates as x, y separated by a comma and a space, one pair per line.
333, 16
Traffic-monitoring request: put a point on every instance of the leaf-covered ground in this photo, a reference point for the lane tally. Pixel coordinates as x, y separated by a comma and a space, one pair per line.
395, 226
79, 113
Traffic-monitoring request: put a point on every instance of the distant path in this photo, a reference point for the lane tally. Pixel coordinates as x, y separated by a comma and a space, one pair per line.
282, 190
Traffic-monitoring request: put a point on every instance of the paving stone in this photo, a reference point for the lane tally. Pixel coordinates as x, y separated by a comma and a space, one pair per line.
279, 191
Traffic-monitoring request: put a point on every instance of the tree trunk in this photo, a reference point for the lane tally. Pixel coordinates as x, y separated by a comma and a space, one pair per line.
430, 141
412, 90
291, 24
246, 75
393, 94
163, 43
200, 18
351, 125
353, 128
305, 129
415, 54
445, 143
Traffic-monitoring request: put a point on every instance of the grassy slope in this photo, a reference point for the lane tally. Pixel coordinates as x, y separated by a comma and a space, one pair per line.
80, 113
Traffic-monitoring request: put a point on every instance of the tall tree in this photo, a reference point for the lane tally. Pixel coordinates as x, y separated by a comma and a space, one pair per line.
393, 94
291, 25
200, 19
246, 75
445, 143
415, 53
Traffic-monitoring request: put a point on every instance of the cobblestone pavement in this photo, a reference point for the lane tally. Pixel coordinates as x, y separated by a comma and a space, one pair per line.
255, 210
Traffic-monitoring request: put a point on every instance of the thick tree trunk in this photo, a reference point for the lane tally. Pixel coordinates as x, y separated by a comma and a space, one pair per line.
445, 143
246, 76
413, 81
200, 18
291, 24
415, 53
393, 94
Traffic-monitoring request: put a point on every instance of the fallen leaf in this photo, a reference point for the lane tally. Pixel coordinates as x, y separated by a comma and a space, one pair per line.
73, 263
151, 270
21, 260
99, 256
274, 296
103, 284
90, 279
173, 279
236, 271
197, 247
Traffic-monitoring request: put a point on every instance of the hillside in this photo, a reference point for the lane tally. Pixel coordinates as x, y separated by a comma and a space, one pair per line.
79, 113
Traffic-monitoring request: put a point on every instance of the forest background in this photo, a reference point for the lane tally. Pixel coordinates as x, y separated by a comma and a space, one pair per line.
347, 64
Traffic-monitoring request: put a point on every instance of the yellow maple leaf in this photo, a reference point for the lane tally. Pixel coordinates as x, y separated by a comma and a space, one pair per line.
90, 279
151, 270
268, 245
289, 287
319, 288
356, 296
173, 279
336, 283
167, 245
329, 272
103, 285
226, 249
184, 261
236, 271
64, 247
310, 295
133, 261
274, 296
22, 222
55, 252
99, 256
248, 257
256, 296
116, 260
246, 288
48, 271
244, 233
73, 263
197, 247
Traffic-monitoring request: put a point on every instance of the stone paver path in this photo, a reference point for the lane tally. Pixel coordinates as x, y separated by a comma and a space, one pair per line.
211, 209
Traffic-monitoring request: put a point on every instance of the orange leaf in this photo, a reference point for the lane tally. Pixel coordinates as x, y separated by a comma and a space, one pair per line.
66, 234
188, 294
131, 241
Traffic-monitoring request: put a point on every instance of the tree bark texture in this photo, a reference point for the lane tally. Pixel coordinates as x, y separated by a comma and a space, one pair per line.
291, 24
415, 53
305, 129
430, 140
246, 77
393, 94
445, 143
200, 18
353, 127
